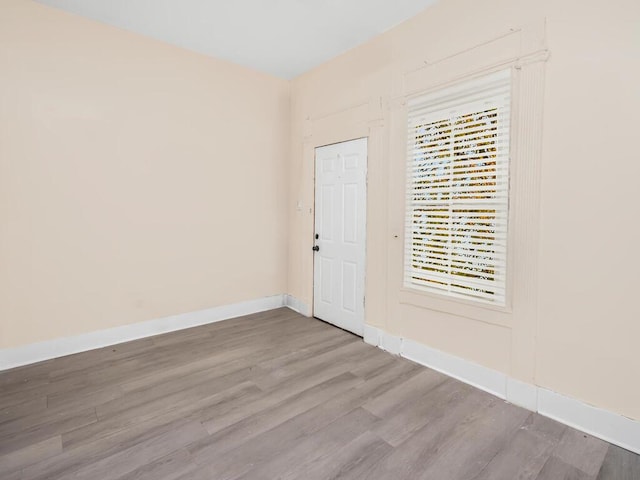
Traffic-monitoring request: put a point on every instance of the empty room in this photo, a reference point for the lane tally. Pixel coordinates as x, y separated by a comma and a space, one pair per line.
313, 240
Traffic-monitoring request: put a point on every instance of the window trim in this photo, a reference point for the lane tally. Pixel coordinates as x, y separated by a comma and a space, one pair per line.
432, 298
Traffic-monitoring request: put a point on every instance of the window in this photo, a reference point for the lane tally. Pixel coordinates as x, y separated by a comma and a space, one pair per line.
458, 190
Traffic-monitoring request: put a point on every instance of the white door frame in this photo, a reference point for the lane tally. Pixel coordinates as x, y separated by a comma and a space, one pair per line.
360, 329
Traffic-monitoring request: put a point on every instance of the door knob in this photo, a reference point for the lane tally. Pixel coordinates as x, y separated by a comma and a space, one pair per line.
316, 248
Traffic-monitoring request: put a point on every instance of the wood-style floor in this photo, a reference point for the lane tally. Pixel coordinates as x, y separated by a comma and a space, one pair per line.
275, 396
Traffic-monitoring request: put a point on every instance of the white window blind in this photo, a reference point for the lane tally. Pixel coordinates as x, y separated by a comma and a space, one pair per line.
458, 190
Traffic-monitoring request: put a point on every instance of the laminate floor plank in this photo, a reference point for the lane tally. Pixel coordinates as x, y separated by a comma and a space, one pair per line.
170, 467
409, 392
619, 464
80, 457
144, 453
294, 391
311, 417
556, 469
24, 380
25, 431
176, 348
328, 442
342, 357
275, 395
174, 407
582, 451
221, 441
27, 407
25, 374
71, 365
11, 399
281, 449
474, 444
13, 476
527, 452
445, 399
206, 382
461, 440
13, 462
83, 397
350, 461
226, 361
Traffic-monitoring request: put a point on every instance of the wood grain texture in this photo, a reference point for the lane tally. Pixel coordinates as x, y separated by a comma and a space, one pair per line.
274, 395
619, 465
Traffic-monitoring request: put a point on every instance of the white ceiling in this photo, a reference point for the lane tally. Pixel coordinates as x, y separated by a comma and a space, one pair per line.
282, 37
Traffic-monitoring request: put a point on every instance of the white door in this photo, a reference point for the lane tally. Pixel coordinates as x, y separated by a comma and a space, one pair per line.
340, 227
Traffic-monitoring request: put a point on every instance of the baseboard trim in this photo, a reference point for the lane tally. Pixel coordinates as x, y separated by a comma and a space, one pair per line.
371, 335
522, 394
297, 305
59, 347
480, 377
609, 426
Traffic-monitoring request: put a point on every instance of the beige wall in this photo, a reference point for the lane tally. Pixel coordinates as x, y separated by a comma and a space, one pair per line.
574, 322
137, 180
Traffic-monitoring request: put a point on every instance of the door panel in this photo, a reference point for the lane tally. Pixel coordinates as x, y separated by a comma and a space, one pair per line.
326, 283
339, 264
350, 219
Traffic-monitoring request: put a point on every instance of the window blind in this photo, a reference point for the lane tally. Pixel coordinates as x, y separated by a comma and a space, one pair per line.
458, 190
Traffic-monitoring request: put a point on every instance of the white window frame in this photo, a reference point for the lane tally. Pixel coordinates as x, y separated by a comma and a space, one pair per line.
467, 97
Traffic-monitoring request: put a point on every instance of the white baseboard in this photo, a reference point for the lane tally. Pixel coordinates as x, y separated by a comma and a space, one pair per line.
480, 377
609, 426
59, 347
391, 344
522, 394
297, 305
371, 335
